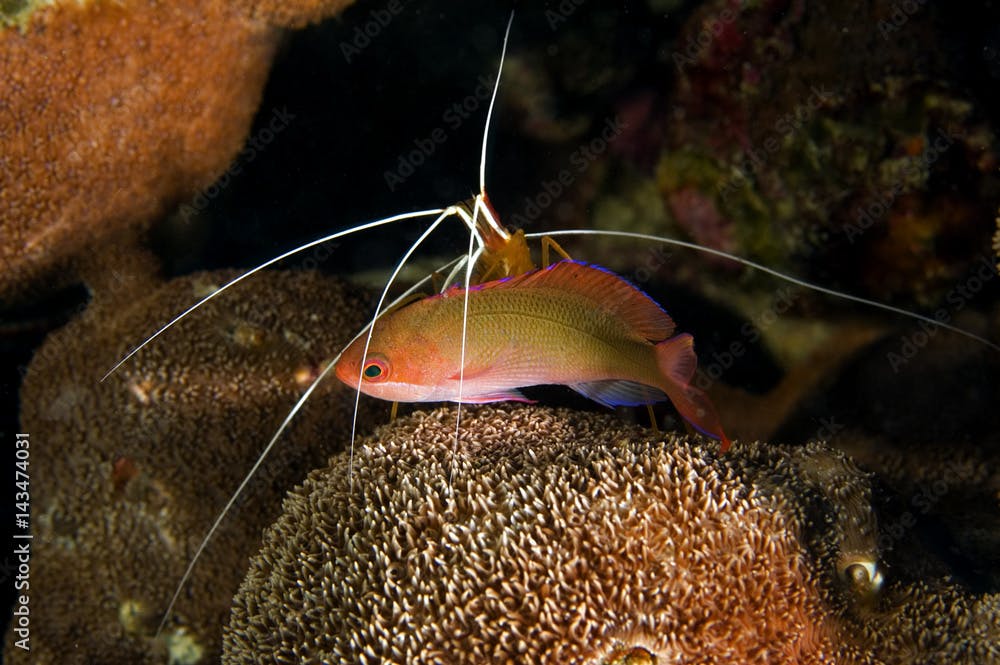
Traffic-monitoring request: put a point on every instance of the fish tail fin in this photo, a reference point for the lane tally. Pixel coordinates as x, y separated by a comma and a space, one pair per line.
677, 362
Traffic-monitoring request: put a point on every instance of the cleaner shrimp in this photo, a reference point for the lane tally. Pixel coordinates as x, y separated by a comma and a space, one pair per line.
493, 251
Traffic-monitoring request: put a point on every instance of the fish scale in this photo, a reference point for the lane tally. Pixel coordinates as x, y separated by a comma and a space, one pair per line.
572, 324
535, 327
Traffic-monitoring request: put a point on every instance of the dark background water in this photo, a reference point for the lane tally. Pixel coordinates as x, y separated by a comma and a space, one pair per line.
350, 111
359, 111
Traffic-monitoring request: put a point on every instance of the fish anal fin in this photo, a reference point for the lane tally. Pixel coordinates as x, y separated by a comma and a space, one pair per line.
499, 396
612, 393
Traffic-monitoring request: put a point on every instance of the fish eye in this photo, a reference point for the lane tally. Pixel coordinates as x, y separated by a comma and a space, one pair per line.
376, 369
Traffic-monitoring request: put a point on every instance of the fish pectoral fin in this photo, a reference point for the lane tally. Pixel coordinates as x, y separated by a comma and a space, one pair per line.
614, 393
471, 372
500, 396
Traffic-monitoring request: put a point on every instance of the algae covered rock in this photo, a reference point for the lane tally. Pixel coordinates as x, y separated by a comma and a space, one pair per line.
129, 473
846, 153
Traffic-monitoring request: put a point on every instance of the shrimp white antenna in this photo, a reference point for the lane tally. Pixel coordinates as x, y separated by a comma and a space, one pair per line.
472, 255
274, 439
468, 260
292, 252
493, 101
459, 264
773, 272
470, 263
447, 212
239, 490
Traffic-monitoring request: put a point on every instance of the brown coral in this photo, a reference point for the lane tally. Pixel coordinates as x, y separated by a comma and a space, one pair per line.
129, 474
542, 538
114, 112
918, 410
299, 13
934, 623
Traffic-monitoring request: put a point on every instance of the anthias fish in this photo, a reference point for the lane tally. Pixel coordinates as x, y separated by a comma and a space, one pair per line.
570, 324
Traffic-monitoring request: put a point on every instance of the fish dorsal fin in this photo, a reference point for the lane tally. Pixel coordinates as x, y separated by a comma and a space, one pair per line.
609, 291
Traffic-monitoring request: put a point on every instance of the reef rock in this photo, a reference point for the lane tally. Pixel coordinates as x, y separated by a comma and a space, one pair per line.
833, 153
129, 473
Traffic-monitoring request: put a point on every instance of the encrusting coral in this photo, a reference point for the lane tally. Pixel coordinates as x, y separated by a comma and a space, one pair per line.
933, 623
114, 112
917, 409
128, 474
548, 537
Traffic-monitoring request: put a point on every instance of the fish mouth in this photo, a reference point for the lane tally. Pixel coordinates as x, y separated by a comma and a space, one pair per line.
343, 370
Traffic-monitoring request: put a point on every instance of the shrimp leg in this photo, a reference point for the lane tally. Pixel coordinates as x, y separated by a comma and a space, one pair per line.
549, 244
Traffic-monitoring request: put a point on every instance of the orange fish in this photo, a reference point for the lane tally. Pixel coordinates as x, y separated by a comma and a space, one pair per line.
570, 324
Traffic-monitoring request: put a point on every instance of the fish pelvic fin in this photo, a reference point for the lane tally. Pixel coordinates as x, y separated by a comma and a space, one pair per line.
612, 393
677, 362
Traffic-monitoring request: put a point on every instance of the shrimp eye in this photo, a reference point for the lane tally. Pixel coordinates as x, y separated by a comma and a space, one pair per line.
376, 370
